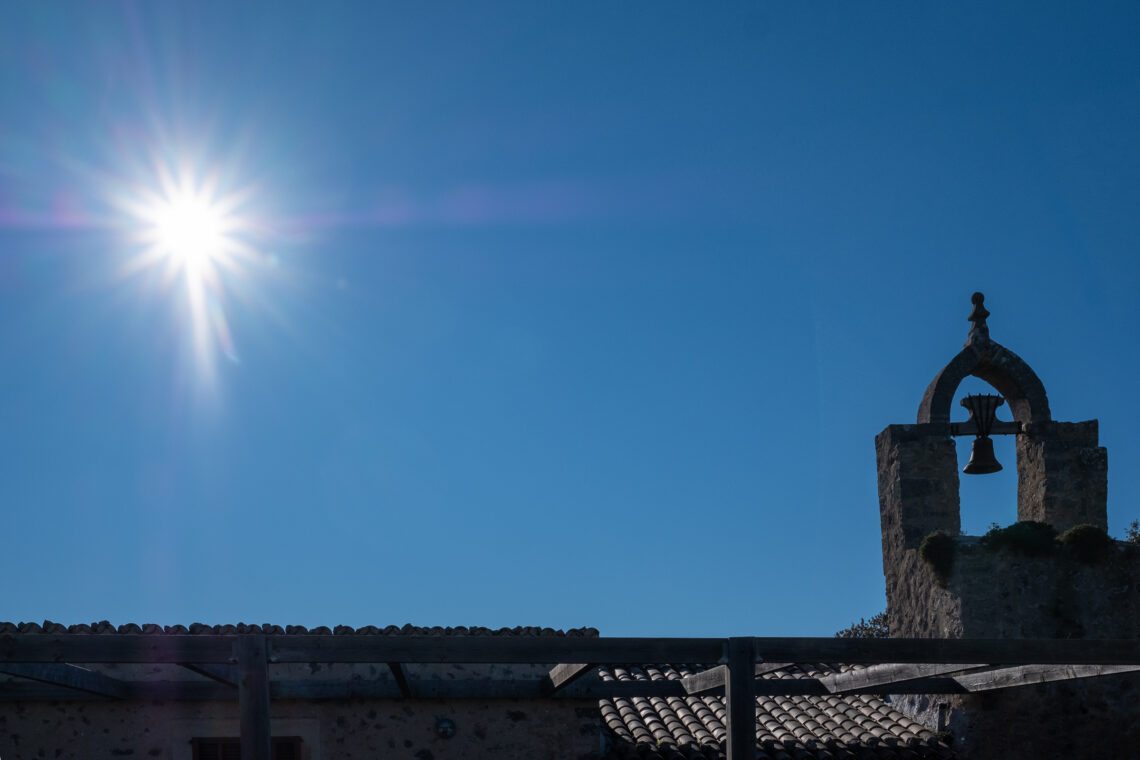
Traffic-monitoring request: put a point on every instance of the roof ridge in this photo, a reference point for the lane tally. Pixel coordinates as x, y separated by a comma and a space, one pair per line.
106, 627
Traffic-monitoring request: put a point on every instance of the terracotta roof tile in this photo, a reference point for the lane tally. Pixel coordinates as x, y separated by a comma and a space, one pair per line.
858, 727
105, 627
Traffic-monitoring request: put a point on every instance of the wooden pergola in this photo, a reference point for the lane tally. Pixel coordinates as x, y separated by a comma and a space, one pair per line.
244, 663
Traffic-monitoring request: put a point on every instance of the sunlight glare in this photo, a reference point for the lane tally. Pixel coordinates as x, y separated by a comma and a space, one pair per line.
189, 230
191, 233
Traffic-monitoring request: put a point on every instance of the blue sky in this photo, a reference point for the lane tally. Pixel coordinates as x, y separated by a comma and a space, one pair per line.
536, 314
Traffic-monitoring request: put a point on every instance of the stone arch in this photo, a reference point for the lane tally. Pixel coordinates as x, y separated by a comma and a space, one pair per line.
1003, 369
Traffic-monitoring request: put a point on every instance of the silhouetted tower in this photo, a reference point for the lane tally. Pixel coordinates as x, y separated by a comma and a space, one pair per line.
985, 591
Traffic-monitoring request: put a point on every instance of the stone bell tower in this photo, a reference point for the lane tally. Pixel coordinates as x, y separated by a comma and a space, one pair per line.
986, 590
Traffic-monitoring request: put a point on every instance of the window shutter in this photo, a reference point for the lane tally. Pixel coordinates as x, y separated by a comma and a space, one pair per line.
283, 748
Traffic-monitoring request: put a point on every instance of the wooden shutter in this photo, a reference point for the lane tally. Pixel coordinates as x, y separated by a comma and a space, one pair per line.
229, 748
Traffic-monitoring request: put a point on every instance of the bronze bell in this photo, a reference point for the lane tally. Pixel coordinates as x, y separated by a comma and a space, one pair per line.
982, 459
983, 413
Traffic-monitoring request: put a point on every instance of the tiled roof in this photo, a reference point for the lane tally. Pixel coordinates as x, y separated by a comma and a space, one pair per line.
787, 728
105, 627
657, 728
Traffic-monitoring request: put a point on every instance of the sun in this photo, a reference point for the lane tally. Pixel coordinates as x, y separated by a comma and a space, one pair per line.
188, 225
189, 229
193, 230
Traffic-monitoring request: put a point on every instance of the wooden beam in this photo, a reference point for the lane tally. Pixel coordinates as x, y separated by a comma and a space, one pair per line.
474, 688
376, 648
1025, 675
788, 687
334, 689
490, 649
253, 697
885, 675
38, 691
763, 668
740, 699
401, 679
39, 647
1000, 678
181, 691
952, 651
586, 688
68, 676
563, 675
227, 674
712, 680
593, 687
705, 681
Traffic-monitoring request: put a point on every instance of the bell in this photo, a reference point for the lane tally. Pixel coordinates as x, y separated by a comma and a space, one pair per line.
982, 459
983, 413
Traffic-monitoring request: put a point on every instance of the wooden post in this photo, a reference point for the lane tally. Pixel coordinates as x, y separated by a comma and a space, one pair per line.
253, 697
740, 699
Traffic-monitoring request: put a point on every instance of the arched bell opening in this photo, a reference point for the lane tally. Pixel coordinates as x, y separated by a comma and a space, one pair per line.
1052, 472
984, 358
990, 497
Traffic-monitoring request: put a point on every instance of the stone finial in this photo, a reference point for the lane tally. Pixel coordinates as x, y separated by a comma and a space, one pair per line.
980, 331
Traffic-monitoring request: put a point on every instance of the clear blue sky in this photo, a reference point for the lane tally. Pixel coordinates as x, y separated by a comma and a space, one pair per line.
536, 314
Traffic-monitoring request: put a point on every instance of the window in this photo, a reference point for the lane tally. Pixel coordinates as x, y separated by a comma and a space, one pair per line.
282, 748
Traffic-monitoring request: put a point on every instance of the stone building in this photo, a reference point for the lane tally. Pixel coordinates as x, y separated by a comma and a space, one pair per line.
420, 712
188, 693
320, 711
1018, 583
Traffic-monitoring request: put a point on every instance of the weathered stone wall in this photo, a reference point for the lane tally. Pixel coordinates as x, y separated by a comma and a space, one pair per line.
331, 730
1062, 475
991, 593
918, 491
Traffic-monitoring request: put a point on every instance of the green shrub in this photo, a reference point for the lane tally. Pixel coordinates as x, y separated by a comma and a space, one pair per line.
878, 627
1133, 534
1087, 542
937, 550
1033, 539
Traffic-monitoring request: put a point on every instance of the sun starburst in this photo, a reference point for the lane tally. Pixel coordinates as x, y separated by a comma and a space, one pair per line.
198, 234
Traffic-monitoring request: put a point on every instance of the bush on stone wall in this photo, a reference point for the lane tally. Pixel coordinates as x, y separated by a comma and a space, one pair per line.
1033, 539
937, 550
1087, 543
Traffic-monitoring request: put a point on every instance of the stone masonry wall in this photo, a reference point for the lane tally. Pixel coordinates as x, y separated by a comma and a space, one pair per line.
918, 491
1002, 594
1062, 475
331, 730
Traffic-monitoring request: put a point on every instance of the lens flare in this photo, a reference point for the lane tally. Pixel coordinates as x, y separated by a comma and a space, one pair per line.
198, 236
190, 229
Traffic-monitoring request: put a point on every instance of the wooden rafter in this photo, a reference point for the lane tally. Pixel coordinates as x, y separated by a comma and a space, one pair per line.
882, 676
740, 699
564, 674
1024, 675
253, 697
712, 680
585, 688
369, 648
227, 674
69, 677
1005, 678
705, 681
905, 665
401, 679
